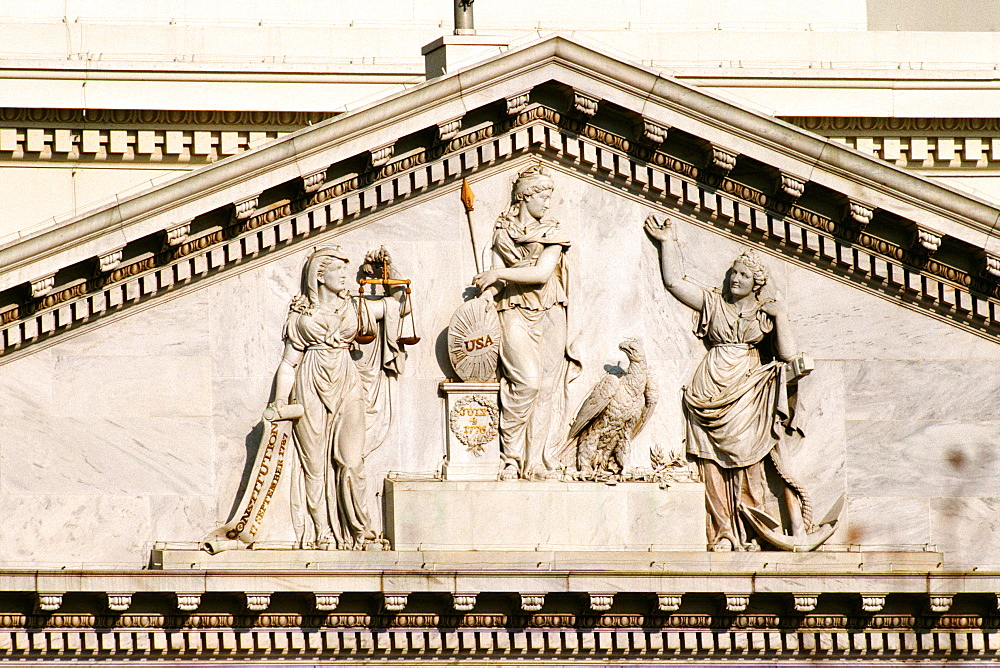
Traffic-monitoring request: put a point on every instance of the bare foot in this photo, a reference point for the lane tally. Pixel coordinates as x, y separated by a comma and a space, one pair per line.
509, 472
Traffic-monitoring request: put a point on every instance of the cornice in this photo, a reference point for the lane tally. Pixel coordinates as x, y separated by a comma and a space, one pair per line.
84, 68
122, 137
907, 275
828, 163
863, 125
768, 140
917, 275
147, 118
940, 144
427, 607
490, 644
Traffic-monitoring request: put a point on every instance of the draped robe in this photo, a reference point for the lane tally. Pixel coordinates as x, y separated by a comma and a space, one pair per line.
736, 408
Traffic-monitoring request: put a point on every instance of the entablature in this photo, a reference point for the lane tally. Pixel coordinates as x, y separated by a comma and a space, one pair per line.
264, 603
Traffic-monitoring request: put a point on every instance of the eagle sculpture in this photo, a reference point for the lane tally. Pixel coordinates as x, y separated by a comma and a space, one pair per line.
613, 414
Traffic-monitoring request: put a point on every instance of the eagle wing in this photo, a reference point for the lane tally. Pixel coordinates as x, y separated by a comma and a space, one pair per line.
598, 400
650, 395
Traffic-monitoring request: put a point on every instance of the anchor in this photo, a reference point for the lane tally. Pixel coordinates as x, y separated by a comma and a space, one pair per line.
770, 529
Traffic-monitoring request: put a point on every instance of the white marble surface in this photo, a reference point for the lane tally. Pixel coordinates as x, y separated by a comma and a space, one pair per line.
969, 527
878, 390
922, 459
52, 530
511, 515
890, 522
147, 417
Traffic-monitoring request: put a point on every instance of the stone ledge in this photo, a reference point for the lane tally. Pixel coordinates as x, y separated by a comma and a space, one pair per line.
542, 645
868, 262
842, 562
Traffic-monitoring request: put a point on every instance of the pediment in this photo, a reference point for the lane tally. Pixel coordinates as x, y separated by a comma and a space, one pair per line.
139, 342
168, 307
647, 137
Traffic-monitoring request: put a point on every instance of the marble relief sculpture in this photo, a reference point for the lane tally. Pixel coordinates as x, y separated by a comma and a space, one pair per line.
614, 412
336, 380
737, 406
530, 280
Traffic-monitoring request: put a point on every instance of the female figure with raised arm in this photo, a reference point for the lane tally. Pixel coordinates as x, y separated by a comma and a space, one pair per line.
532, 286
317, 371
736, 405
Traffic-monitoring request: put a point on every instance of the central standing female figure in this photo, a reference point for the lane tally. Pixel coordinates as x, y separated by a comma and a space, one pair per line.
533, 300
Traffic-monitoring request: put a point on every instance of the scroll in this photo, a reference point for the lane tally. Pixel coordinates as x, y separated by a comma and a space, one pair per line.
274, 449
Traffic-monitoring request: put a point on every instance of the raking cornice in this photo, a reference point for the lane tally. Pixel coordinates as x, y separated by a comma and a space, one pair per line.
863, 186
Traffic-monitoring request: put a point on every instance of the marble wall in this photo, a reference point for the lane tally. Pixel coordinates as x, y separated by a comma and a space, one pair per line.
140, 428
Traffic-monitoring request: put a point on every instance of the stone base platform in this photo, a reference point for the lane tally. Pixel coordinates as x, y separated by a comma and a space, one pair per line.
829, 561
522, 515
648, 573
731, 579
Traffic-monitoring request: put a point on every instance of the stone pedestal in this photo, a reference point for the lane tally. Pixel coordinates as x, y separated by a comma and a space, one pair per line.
472, 425
517, 514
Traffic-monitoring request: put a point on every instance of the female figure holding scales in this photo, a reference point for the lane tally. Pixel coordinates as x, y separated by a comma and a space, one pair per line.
318, 372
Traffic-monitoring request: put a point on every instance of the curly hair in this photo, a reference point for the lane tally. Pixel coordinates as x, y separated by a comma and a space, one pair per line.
751, 261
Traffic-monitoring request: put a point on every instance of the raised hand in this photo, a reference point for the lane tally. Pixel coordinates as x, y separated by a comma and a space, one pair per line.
658, 229
374, 260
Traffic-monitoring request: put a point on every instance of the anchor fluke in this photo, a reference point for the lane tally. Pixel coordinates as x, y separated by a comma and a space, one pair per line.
771, 531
